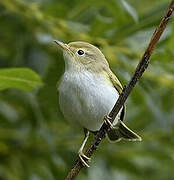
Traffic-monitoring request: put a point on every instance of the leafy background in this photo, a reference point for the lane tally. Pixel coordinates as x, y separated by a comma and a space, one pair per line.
36, 143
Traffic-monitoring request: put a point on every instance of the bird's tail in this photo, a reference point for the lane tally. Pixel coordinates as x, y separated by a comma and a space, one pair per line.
121, 131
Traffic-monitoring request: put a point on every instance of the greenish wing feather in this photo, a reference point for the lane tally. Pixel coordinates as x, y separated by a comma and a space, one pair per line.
116, 83
121, 131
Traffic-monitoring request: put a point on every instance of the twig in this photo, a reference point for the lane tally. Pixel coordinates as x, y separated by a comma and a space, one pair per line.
141, 67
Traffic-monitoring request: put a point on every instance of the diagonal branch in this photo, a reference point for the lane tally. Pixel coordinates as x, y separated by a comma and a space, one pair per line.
141, 67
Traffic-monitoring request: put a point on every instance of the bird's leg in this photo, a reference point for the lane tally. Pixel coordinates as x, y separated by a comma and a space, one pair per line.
108, 122
82, 156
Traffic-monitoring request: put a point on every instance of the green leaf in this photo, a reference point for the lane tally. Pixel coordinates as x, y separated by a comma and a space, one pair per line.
21, 78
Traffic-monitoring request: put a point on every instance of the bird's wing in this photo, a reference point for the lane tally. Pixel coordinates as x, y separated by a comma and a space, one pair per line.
116, 83
120, 130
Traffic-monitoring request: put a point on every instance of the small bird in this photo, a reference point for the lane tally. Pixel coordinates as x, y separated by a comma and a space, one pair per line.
88, 91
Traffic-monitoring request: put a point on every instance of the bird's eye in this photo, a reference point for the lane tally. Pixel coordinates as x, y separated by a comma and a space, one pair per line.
80, 52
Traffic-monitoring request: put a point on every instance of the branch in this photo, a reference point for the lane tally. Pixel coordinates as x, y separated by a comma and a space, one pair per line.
141, 67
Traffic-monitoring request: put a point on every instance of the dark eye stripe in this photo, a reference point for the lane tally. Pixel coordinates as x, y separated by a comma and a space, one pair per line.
80, 52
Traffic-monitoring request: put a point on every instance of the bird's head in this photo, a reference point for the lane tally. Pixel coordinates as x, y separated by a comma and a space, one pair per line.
81, 56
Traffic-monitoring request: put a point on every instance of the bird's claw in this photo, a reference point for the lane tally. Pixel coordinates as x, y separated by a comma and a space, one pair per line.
108, 122
84, 158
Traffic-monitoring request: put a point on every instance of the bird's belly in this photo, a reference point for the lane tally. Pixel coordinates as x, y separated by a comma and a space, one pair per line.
84, 101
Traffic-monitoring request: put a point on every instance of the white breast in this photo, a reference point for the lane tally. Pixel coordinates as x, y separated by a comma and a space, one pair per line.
85, 98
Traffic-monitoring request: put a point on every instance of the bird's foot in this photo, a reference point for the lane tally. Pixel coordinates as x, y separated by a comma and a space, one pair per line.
108, 122
84, 158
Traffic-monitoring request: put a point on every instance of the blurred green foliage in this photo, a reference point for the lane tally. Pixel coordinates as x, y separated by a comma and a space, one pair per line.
36, 143
21, 78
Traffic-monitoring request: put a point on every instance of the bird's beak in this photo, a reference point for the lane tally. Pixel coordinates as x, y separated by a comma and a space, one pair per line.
64, 46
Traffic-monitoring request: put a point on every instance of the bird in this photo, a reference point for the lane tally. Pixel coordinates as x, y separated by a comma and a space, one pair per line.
88, 90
